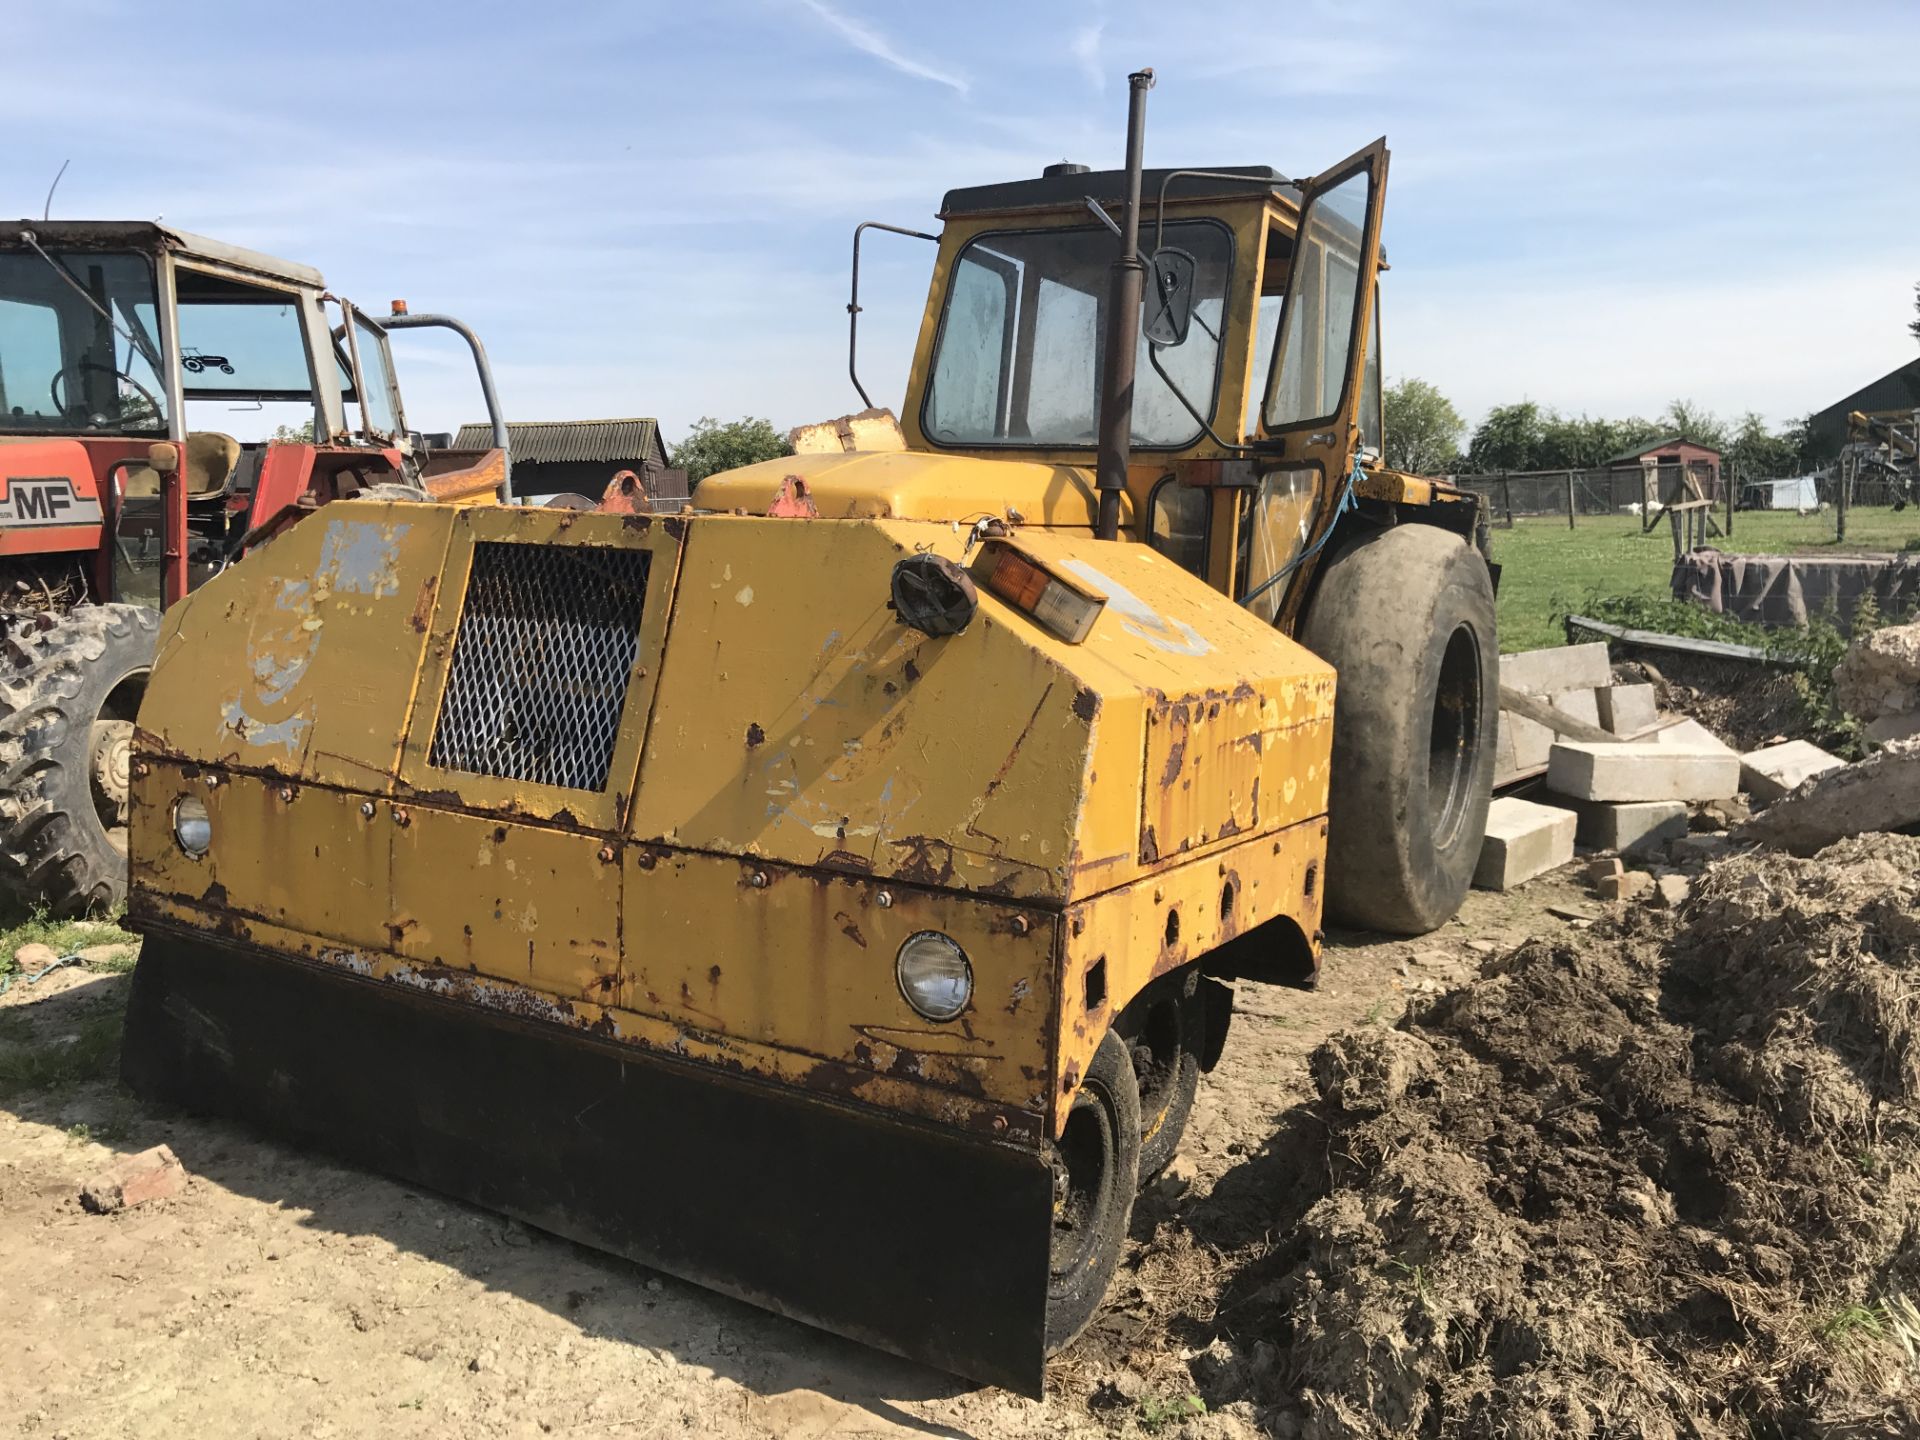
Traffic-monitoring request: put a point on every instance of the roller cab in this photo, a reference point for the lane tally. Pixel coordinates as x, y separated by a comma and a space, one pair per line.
831, 912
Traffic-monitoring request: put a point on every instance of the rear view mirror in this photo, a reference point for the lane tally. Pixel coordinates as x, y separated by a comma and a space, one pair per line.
1169, 298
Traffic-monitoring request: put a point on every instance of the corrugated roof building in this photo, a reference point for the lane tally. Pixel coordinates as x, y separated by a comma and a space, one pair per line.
557, 457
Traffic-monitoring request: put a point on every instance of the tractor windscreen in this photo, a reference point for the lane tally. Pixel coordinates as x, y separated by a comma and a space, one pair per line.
1017, 361
78, 344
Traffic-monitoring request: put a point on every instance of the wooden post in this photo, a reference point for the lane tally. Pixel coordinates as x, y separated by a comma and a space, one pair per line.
1569, 500
1506, 494
1673, 521
1845, 497
1730, 477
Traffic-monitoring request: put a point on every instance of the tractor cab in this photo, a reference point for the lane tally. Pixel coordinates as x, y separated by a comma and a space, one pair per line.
133, 354
167, 403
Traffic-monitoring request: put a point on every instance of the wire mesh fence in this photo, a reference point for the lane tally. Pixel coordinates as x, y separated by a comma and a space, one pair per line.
1620, 490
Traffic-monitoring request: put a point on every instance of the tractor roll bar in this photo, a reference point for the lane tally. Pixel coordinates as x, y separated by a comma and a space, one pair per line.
406, 321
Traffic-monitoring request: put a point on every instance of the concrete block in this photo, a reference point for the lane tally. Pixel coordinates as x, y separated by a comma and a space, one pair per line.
1688, 731
1564, 667
1629, 709
1642, 770
1633, 826
1771, 771
1523, 840
1521, 745
1582, 704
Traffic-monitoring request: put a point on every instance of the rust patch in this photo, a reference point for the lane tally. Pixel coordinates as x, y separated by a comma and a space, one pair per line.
846, 860
423, 606
910, 670
927, 861
1086, 704
793, 501
1149, 847
850, 929
755, 735
215, 895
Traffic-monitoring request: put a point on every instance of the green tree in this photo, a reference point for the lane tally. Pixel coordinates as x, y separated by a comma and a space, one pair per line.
711, 447
1510, 438
1696, 423
1757, 453
1423, 429
1586, 442
301, 434
1913, 327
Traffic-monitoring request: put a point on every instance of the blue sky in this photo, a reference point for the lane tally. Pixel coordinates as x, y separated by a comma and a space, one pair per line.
647, 208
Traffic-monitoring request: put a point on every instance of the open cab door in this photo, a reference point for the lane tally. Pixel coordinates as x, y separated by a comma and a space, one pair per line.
1314, 381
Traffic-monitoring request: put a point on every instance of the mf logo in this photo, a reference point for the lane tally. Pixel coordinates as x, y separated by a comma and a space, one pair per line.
32, 500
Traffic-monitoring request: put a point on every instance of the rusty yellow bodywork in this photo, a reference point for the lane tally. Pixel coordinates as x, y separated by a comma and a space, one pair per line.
799, 783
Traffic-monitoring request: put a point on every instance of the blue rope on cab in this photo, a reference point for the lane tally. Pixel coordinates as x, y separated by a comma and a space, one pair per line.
1346, 504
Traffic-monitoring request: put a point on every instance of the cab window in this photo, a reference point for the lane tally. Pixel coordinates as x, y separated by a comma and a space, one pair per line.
1177, 524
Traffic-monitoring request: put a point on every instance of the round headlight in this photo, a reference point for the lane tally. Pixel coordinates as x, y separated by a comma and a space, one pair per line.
192, 829
934, 975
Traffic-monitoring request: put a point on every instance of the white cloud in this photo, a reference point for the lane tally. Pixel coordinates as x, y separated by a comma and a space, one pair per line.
871, 42
1085, 48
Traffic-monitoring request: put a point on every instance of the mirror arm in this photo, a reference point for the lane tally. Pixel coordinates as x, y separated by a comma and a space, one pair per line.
1160, 205
1153, 359
853, 299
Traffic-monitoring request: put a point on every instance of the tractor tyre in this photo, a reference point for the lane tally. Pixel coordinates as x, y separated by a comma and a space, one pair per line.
1165, 1030
70, 687
1406, 618
1096, 1163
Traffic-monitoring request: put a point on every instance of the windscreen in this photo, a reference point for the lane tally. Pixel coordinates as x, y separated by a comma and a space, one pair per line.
78, 344
1018, 357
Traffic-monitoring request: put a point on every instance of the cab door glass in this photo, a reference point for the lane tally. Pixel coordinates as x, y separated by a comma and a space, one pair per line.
1372, 426
1177, 524
377, 405
1316, 333
1273, 528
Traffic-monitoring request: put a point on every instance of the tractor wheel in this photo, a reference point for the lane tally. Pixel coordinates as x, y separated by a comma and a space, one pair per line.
1164, 1029
1096, 1163
70, 686
1406, 617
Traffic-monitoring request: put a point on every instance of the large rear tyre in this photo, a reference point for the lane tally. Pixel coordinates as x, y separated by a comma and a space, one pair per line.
1406, 616
70, 687
1096, 1163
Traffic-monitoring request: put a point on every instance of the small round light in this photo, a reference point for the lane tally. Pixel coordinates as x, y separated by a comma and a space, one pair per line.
934, 975
192, 827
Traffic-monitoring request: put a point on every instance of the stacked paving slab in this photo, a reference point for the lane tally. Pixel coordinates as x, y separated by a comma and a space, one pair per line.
1634, 793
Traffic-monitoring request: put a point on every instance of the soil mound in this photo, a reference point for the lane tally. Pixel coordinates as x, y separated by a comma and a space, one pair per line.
1656, 1181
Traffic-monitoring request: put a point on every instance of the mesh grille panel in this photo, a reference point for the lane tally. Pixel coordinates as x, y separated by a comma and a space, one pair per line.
547, 640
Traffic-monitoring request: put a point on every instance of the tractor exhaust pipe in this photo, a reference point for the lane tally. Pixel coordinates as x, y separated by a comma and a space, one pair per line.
1123, 325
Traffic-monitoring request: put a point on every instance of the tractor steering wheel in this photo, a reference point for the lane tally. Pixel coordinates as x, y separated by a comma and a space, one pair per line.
53, 386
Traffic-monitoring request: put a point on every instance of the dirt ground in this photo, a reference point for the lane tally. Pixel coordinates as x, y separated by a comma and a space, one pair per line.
283, 1295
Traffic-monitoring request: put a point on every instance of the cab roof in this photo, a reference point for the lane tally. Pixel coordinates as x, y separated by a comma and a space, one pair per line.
150, 235
1063, 185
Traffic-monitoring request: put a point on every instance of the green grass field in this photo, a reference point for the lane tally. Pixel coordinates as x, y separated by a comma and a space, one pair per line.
1547, 569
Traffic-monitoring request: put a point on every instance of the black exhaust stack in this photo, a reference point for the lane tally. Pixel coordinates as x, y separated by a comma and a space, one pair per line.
1123, 325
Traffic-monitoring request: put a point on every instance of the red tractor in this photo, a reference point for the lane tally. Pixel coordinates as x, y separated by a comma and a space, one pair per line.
130, 355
